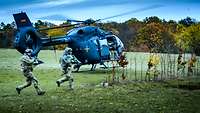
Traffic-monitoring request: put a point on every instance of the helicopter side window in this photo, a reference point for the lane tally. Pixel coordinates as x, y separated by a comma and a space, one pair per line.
80, 32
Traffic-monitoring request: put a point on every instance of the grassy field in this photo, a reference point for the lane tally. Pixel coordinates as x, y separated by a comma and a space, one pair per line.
88, 96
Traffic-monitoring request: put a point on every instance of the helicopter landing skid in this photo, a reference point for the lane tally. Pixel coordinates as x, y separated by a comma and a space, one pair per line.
93, 67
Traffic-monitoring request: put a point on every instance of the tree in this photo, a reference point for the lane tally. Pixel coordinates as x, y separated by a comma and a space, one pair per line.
187, 21
153, 19
2, 25
155, 36
8, 27
39, 24
189, 38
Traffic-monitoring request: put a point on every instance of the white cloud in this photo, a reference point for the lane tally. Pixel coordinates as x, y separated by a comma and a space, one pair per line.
52, 3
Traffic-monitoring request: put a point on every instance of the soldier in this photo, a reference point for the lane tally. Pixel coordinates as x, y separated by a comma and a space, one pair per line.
181, 64
152, 66
113, 51
27, 66
123, 62
67, 60
191, 64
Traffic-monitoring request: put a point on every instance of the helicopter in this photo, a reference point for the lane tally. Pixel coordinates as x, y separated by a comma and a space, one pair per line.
90, 44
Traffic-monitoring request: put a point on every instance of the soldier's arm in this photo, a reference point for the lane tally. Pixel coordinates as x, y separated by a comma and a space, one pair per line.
76, 60
65, 59
27, 59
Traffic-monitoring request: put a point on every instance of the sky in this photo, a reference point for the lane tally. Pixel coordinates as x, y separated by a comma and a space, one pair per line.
58, 11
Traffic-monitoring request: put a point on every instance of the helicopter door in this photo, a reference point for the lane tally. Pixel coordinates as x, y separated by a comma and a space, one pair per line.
104, 49
114, 44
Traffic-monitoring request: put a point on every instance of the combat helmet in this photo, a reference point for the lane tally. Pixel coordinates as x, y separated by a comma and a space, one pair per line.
68, 50
28, 51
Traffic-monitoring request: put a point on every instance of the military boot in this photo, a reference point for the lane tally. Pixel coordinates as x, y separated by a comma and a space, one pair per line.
41, 92
71, 83
18, 90
58, 83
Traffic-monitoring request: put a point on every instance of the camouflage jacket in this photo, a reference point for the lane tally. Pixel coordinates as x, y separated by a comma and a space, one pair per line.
27, 62
68, 60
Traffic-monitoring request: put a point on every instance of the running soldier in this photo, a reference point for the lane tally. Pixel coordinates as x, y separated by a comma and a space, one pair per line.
27, 65
67, 61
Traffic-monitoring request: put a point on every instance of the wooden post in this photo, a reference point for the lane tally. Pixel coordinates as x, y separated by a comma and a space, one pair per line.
135, 68
141, 70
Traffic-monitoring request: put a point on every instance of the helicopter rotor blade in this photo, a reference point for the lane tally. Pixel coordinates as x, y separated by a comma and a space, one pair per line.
56, 27
90, 21
131, 12
70, 20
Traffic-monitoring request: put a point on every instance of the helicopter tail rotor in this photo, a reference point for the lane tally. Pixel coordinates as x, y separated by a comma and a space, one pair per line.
22, 20
29, 37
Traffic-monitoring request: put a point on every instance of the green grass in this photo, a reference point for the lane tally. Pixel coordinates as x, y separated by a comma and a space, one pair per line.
88, 97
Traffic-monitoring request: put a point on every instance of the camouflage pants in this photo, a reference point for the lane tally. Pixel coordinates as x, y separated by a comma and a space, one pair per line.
152, 71
113, 55
180, 70
191, 70
30, 78
67, 76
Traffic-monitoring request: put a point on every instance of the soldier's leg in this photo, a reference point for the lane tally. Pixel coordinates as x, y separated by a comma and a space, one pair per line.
36, 86
35, 83
71, 79
64, 78
156, 73
181, 70
26, 84
190, 71
147, 75
71, 83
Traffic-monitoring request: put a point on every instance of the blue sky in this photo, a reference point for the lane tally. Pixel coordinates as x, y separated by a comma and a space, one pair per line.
59, 10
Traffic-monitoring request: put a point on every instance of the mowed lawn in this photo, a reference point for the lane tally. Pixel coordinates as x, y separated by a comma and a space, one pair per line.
88, 96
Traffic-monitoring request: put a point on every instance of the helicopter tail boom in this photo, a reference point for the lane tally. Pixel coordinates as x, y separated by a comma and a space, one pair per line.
55, 41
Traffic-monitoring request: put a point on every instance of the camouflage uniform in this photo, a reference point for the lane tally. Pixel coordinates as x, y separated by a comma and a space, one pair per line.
27, 66
181, 64
113, 51
113, 55
123, 62
152, 66
67, 61
191, 64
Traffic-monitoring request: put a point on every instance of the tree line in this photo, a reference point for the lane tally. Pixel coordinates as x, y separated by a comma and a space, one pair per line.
157, 35
151, 34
